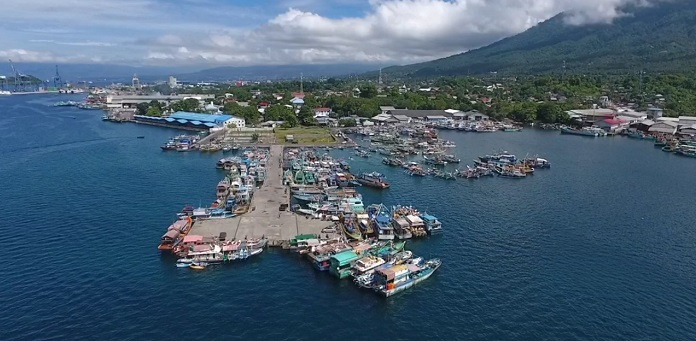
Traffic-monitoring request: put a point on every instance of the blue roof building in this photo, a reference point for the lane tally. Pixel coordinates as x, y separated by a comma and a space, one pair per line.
199, 118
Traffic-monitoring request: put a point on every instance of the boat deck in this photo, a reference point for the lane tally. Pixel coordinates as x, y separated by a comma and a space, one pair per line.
265, 217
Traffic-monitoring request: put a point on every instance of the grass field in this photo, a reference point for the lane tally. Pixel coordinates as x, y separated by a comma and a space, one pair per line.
305, 135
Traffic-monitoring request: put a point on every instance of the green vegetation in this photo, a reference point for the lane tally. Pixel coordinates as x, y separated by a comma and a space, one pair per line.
305, 135
659, 38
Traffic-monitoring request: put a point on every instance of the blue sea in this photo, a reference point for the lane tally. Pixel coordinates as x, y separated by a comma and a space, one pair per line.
602, 246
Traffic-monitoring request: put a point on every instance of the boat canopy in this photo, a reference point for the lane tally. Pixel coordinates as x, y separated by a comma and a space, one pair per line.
383, 219
193, 238
345, 257
402, 222
392, 272
428, 217
171, 234
179, 225
414, 220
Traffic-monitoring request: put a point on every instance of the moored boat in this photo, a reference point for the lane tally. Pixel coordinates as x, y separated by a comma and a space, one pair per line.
374, 179
398, 278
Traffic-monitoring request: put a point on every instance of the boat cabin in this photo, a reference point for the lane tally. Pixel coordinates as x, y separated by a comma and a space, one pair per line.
341, 263
392, 276
432, 224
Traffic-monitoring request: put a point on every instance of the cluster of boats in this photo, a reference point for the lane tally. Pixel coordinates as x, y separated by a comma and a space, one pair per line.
584, 131
476, 126
233, 196
197, 252
182, 143
382, 266
502, 164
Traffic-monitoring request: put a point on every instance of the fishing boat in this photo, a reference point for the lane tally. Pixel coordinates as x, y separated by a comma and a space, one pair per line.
366, 265
198, 265
395, 279
432, 224
342, 263
402, 229
374, 179
584, 131
381, 218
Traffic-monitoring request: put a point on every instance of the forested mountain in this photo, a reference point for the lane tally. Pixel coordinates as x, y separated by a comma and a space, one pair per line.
658, 38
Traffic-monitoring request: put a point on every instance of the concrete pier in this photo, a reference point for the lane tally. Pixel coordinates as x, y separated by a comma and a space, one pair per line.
264, 217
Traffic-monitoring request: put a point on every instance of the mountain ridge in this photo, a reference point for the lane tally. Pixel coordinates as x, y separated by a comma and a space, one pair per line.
660, 37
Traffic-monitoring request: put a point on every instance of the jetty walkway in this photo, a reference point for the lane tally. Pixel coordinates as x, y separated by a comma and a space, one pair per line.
268, 214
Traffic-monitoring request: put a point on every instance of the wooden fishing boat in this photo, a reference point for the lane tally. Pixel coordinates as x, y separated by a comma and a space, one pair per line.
198, 266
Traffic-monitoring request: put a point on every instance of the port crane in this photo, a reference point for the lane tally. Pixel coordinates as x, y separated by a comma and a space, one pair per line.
57, 80
18, 78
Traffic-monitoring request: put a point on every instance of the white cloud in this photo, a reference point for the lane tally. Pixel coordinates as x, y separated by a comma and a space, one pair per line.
21, 55
73, 43
391, 31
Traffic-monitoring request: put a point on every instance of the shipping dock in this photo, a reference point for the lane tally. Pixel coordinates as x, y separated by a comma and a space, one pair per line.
269, 215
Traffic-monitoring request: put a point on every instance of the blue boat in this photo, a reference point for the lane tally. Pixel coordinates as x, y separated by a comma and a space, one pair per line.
381, 217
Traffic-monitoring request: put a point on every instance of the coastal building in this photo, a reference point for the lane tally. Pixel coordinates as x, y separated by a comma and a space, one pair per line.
321, 114
386, 109
591, 115
611, 124
217, 120
643, 126
173, 82
664, 126
402, 118
436, 118
685, 121
131, 101
192, 121
419, 114
475, 115
655, 113
688, 130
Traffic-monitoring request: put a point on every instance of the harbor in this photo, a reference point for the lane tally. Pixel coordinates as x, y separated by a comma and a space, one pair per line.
267, 216
502, 239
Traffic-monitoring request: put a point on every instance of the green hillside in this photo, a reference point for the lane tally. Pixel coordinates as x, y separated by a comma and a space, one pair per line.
659, 38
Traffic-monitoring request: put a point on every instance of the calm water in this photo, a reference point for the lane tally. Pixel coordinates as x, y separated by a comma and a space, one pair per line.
600, 247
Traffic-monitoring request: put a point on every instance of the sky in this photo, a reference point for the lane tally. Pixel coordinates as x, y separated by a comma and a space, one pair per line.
272, 32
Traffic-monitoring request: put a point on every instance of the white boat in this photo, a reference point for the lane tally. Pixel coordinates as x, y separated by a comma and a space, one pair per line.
366, 265
5, 93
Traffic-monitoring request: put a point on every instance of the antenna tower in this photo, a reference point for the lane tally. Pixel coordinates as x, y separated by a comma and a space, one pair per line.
301, 85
